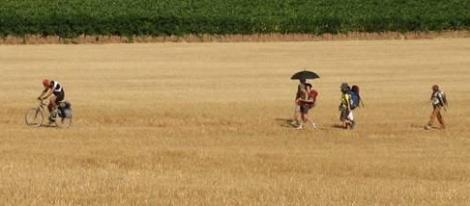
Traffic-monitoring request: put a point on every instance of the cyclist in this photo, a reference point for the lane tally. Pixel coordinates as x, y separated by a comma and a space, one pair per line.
55, 91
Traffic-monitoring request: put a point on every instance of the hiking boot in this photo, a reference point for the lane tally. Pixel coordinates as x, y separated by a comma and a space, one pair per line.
299, 127
427, 127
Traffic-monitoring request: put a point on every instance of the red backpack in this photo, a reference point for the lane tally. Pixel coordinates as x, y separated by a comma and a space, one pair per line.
313, 95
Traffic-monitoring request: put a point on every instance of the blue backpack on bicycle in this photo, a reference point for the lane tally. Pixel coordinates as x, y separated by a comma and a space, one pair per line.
65, 109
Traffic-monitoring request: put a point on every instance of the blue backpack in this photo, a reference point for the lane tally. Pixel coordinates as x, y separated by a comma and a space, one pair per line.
355, 100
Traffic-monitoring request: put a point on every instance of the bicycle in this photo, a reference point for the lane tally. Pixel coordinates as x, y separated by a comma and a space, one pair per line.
63, 119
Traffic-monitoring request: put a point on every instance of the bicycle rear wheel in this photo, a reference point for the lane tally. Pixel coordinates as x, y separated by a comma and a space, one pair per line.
63, 122
34, 117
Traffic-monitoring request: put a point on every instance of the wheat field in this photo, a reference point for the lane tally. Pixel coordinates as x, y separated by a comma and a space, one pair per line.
206, 124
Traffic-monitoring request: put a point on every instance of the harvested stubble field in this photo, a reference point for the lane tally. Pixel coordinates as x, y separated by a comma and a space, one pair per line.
206, 124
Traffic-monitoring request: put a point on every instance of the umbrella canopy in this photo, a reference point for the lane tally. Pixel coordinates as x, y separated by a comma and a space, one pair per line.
305, 75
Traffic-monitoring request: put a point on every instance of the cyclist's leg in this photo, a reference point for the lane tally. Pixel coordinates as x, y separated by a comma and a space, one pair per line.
56, 99
51, 104
52, 108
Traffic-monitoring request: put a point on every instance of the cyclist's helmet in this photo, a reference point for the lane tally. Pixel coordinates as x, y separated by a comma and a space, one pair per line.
46, 83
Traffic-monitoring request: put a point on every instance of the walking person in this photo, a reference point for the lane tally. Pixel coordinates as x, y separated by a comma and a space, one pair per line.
346, 115
302, 95
298, 95
306, 101
438, 101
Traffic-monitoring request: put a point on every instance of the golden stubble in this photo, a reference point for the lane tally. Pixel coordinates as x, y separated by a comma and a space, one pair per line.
206, 124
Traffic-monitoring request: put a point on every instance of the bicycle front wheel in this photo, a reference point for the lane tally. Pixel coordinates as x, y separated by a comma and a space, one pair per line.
34, 117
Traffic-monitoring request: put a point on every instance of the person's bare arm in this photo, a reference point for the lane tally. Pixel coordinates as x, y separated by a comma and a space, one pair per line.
305, 98
308, 100
42, 93
47, 92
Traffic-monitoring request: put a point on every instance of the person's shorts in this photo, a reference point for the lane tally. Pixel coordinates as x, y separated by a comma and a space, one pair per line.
297, 108
304, 108
437, 106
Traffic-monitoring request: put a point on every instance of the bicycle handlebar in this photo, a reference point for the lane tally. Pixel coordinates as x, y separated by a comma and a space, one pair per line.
42, 102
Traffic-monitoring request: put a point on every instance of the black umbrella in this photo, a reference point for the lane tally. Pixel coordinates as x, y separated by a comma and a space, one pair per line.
305, 75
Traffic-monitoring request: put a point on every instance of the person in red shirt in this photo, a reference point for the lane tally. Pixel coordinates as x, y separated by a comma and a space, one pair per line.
306, 101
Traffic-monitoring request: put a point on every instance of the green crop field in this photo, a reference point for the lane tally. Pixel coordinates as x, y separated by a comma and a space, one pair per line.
72, 18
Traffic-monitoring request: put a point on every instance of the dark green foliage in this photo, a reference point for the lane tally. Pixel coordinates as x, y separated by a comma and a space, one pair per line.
70, 18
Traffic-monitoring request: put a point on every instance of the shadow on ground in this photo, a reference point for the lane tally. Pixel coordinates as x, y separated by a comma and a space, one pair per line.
284, 122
